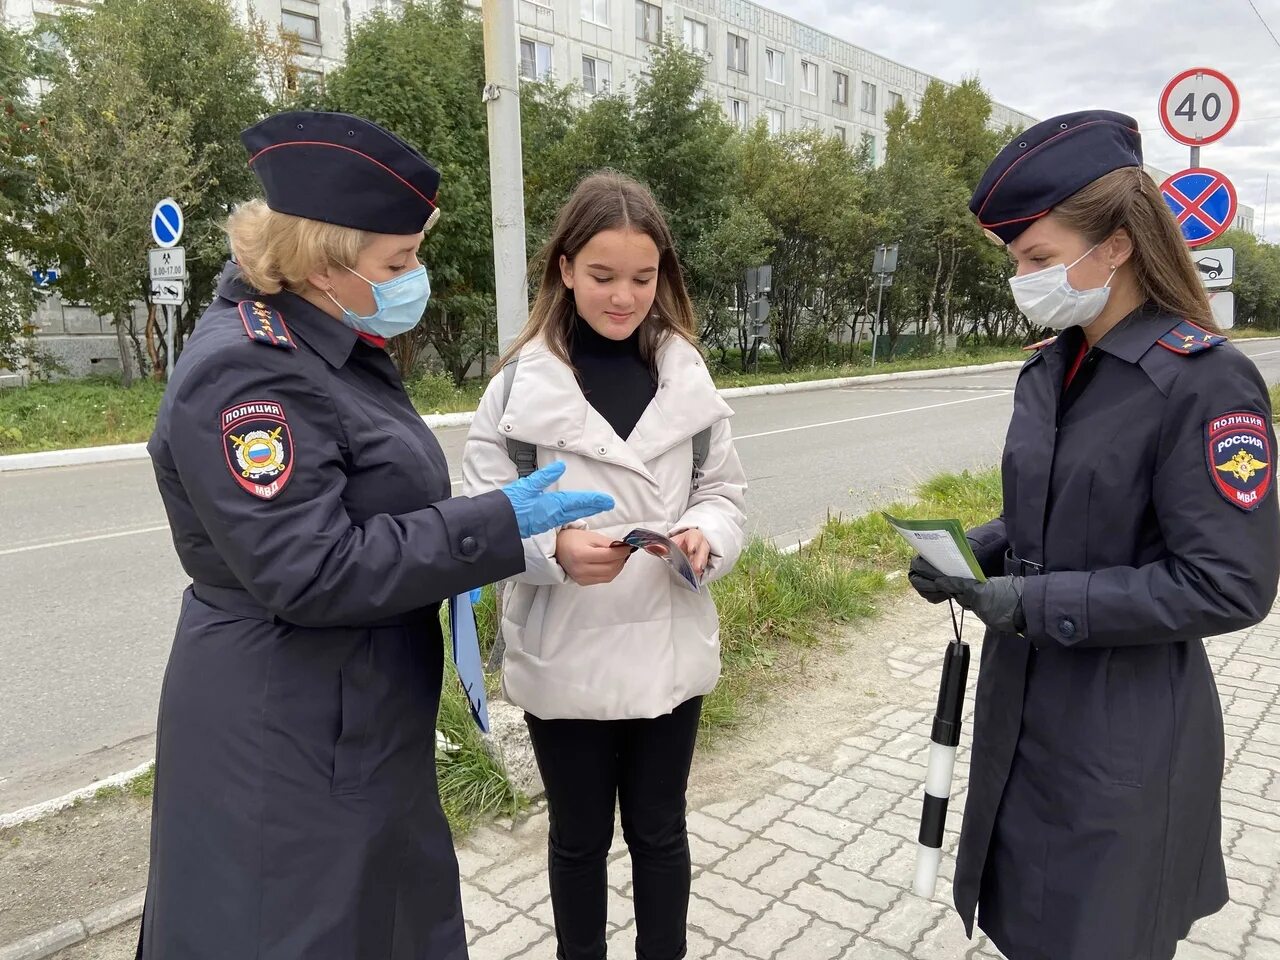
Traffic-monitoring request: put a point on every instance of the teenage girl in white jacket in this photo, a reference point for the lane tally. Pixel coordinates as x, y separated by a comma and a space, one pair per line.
607, 653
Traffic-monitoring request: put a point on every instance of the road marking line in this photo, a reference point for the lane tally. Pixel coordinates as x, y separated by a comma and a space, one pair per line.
110, 536
1256, 356
67, 543
872, 416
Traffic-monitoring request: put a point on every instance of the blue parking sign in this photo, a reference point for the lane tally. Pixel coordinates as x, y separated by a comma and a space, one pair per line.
166, 222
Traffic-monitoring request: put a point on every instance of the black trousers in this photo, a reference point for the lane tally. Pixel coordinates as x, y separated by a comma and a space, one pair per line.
643, 766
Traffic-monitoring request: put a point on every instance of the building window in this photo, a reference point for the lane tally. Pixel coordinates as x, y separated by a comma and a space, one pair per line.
842, 87
737, 53
535, 60
777, 121
808, 123
774, 66
596, 11
870, 140
738, 113
648, 22
596, 75
868, 97
306, 27
842, 135
895, 100
695, 35
809, 77
299, 78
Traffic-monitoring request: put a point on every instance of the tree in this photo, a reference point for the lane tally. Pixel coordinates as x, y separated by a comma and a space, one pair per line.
947, 270
19, 129
420, 75
1257, 280
813, 191
196, 54
110, 149
682, 147
735, 241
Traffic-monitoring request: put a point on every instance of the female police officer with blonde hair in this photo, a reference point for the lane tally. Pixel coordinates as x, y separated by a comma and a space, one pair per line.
1139, 518
296, 812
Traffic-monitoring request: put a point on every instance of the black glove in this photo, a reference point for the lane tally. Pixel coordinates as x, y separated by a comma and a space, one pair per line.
922, 576
997, 602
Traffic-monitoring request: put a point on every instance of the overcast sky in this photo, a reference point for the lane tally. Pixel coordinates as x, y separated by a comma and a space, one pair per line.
1045, 57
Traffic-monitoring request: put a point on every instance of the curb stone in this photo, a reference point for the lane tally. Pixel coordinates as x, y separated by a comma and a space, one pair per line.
48, 942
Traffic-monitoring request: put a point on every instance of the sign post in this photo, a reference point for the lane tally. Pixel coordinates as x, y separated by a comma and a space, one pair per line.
759, 284
167, 268
883, 266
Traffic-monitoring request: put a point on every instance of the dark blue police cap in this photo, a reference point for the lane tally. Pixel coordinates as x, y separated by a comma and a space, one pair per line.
342, 169
1049, 163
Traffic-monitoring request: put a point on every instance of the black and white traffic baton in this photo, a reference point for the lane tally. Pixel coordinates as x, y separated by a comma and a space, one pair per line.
945, 737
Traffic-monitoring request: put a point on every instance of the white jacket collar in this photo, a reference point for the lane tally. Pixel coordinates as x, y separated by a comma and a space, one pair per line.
547, 407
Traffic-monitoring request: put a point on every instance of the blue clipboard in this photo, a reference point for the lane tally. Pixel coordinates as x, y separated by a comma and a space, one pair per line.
466, 657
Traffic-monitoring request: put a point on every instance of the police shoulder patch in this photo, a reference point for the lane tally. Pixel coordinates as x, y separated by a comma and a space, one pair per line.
265, 324
1187, 338
1239, 456
258, 446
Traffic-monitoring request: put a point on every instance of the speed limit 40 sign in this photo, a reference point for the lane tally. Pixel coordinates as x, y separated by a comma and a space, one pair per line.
1199, 106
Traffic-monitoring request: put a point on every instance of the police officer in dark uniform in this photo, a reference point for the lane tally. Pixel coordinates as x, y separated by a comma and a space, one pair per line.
296, 808
1139, 518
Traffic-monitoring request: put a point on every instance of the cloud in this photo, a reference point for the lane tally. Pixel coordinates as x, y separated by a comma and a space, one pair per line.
1045, 58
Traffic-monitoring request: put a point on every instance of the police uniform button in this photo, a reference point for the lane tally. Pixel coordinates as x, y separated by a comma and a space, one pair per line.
468, 546
1067, 629
602, 450
506, 427
560, 443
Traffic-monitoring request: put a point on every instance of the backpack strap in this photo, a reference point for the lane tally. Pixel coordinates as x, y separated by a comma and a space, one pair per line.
524, 455
701, 448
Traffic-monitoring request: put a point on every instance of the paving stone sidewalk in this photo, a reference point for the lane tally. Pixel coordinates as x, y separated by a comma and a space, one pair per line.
815, 860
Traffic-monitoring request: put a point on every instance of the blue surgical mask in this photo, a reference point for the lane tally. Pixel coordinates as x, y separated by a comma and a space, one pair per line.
400, 304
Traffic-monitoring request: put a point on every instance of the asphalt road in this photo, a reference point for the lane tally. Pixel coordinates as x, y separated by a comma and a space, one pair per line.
91, 584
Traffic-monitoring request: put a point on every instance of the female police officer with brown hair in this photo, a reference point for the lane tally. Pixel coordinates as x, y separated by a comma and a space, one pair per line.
1139, 518
296, 812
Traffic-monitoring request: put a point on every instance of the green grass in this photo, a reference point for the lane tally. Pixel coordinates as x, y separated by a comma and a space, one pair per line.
772, 373
1275, 402
140, 787
436, 393
77, 413
1251, 333
94, 412
774, 603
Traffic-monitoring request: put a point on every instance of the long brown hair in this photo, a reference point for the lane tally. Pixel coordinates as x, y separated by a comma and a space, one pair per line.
1162, 264
606, 201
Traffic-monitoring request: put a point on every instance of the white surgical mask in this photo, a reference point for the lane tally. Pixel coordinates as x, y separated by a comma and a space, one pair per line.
1047, 299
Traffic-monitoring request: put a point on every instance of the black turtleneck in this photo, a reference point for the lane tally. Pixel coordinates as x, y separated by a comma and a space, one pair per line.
614, 377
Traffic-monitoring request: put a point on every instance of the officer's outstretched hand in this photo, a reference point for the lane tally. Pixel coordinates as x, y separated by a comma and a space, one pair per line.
923, 576
538, 511
997, 602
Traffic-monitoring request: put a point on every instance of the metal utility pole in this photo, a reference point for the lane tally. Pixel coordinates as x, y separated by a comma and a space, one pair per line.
506, 175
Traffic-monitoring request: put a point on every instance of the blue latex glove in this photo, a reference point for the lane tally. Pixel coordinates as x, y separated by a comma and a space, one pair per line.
476, 594
538, 511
